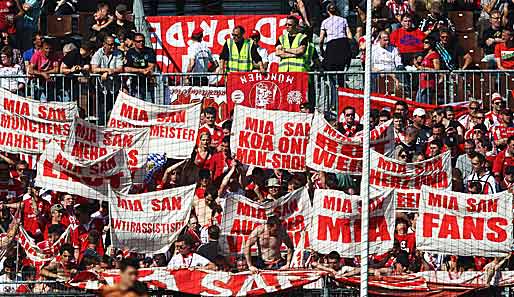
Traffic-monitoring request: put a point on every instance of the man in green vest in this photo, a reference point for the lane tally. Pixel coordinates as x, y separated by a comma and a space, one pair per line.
238, 53
292, 48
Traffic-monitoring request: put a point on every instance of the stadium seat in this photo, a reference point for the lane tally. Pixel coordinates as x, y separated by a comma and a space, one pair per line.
463, 20
59, 26
86, 20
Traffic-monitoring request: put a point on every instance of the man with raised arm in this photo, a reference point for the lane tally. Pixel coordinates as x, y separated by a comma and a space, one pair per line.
269, 239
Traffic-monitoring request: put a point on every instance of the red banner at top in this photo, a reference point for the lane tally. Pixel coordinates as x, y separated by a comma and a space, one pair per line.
172, 34
272, 91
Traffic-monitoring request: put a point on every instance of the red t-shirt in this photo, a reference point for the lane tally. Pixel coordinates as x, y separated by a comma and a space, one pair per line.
502, 161
505, 54
408, 42
42, 63
427, 81
407, 242
216, 134
79, 236
31, 222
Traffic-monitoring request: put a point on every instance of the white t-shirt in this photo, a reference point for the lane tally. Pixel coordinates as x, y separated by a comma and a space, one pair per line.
335, 27
11, 83
5, 287
385, 59
195, 260
201, 54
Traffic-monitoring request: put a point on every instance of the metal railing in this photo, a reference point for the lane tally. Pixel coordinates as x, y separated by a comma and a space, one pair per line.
96, 95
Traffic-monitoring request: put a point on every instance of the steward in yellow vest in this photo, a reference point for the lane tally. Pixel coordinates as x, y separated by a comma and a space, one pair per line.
292, 48
238, 53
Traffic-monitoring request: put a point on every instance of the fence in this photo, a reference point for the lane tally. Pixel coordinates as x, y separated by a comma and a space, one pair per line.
96, 95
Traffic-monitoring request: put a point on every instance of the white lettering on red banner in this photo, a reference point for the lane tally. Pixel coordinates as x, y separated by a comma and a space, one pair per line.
408, 178
270, 139
464, 224
150, 222
329, 150
336, 222
242, 215
272, 91
60, 171
172, 34
173, 128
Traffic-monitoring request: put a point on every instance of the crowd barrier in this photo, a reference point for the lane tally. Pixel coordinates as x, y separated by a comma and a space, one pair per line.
96, 96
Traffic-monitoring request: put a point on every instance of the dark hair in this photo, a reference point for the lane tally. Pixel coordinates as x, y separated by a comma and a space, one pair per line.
402, 103
438, 126
384, 113
349, 107
67, 247
510, 139
129, 262
214, 232
241, 28
469, 141
102, 4
36, 34
273, 220
28, 272
407, 15
430, 41
481, 158
293, 18
227, 125
186, 239
106, 37
139, 34
475, 184
437, 142
333, 255
397, 115
204, 173
332, 8
210, 110
226, 139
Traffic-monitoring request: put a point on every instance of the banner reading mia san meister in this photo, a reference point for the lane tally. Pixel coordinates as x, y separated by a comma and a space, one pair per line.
150, 222
464, 224
270, 138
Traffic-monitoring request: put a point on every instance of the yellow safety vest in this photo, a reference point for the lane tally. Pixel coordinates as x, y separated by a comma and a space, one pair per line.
239, 61
296, 64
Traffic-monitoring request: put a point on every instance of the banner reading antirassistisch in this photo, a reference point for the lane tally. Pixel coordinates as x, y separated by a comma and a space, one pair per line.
150, 222
59, 171
464, 224
408, 178
173, 128
336, 222
242, 215
329, 150
273, 91
269, 138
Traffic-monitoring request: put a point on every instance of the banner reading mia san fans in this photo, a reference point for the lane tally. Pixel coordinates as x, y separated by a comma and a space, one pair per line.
270, 139
27, 126
336, 222
329, 150
464, 224
242, 215
408, 178
150, 222
59, 171
89, 142
173, 128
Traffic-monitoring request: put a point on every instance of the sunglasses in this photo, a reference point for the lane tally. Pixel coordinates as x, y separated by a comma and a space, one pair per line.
139, 41
289, 25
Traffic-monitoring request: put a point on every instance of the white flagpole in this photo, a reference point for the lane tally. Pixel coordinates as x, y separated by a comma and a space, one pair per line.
365, 157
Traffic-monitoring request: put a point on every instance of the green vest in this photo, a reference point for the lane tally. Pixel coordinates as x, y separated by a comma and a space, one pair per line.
239, 61
296, 64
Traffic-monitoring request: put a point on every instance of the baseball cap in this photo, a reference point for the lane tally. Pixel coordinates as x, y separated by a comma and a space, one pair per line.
255, 33
420, 112
496, 96
57, 207
121, 8
197, 31
272, 182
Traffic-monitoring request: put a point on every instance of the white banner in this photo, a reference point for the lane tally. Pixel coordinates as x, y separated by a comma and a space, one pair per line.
173, 128
59, 171
336, 222
150, 222
88, 142
242, 215
329, 150
27, 126
408, 178
270, 139
464, 224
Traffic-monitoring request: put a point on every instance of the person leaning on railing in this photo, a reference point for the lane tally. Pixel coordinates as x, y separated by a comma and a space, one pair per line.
238, 54
141, 60
12, 74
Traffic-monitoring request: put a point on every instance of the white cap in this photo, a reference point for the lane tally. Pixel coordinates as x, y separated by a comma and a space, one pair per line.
496, 96
419, 112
